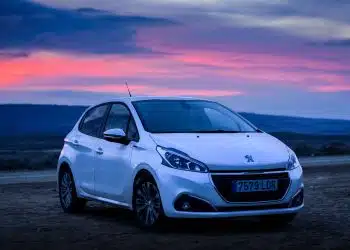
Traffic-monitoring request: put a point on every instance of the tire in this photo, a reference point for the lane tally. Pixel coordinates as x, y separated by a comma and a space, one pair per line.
279, 220
147, 204
69, 200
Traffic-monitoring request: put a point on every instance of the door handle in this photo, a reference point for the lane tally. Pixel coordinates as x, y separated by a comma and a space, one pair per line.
99, 151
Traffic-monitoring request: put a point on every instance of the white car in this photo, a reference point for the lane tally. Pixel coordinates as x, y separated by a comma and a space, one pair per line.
180, 158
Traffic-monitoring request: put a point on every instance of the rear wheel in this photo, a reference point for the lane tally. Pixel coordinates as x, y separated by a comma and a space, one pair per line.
69, 200
147, 203
279, 220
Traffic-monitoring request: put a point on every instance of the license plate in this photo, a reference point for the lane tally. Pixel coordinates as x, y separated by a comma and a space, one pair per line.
246, 186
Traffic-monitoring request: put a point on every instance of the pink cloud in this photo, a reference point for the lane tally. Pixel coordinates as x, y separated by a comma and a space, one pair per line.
153, 90
182, 64
44, 65
139, 89
299, 66
332, 88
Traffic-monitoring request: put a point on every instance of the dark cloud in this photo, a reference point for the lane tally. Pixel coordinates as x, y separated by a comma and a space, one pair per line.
332, 43
91, 10
28, 26
10, 54
336, 10
338, 43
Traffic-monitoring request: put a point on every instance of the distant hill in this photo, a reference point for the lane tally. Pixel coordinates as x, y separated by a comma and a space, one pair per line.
26, 119
299, 125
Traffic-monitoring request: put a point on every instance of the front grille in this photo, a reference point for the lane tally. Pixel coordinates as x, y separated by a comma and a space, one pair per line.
223, 184
247, 171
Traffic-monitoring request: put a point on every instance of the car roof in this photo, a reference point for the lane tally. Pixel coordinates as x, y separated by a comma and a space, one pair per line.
144, 98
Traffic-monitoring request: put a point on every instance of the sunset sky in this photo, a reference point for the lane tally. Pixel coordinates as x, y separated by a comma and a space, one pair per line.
264, 56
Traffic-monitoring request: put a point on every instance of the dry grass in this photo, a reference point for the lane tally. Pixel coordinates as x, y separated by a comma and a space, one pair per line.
28, 160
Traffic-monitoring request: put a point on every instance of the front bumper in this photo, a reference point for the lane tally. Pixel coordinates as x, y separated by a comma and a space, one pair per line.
175, 184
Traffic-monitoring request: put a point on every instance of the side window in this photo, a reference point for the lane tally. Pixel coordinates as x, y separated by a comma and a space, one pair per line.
93, 120
132, 131
120, 117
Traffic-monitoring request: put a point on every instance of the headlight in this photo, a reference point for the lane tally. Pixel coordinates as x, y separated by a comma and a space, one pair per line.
176, 159
293, 161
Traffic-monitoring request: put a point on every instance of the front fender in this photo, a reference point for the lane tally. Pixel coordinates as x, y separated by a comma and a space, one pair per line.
137, 169
61, 160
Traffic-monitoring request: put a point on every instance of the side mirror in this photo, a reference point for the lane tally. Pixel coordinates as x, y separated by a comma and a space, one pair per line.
116, 135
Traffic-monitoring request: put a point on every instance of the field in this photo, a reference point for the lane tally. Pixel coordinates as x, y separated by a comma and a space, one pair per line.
32, 219
32, 135
11, 160
41, 152
29, 152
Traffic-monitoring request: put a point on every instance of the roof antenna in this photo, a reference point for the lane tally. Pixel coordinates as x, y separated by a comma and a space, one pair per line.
127, 86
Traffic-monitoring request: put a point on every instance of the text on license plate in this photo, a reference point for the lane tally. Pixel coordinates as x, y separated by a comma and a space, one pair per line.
243, 186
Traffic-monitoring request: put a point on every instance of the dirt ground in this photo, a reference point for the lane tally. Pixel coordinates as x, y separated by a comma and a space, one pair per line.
30, 218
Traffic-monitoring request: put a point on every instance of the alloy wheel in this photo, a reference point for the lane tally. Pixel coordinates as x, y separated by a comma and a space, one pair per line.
147, 203
66, 190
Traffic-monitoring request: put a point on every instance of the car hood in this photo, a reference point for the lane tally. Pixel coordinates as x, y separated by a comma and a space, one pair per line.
224, 152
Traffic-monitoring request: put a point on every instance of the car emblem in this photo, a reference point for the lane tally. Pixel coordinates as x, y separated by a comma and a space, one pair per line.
249, 158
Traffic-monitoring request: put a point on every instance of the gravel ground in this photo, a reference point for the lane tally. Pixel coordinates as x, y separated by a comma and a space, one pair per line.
30, 218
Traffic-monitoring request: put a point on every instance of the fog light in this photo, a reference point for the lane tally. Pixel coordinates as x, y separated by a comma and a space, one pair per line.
189, 203
186, 206
298, 199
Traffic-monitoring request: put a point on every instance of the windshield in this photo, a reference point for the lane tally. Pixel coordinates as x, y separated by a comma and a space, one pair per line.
189, 116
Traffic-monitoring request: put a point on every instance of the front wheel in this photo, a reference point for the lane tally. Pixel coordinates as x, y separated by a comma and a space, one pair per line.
279, 220
147, 204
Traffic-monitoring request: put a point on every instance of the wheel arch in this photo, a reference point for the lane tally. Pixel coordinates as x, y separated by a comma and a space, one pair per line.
143, 171
63, 165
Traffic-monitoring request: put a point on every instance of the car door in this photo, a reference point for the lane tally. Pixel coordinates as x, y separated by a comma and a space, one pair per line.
85, 141
112, 165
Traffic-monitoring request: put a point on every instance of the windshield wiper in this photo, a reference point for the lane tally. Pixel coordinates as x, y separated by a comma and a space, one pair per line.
216, 131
